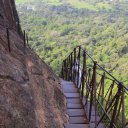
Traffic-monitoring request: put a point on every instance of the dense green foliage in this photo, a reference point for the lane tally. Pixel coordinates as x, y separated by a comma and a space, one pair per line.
55, 27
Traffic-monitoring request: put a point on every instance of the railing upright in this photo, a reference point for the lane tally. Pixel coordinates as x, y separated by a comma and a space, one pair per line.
74, 73
69, 68
123, 112
114, 114
99, 89
71, 64
83, 73
24, 38
93, 87
65, 69
95, 95
102, 86
62, 70
78, 65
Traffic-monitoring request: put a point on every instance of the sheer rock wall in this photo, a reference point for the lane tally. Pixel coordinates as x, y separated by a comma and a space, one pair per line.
30, 94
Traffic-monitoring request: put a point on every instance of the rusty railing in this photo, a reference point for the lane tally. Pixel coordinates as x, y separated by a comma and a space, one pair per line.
103, 95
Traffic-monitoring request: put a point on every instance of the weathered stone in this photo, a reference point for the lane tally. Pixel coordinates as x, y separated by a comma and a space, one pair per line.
36, 71
30, 96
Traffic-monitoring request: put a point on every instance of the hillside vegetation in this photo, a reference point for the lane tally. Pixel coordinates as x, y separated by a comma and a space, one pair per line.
55, 27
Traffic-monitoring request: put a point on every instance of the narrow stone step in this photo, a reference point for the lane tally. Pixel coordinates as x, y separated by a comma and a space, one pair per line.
72, 95
74, 100
76, 126
78, 120
74, 106
75, 112
67, 83
64, 81
70, 90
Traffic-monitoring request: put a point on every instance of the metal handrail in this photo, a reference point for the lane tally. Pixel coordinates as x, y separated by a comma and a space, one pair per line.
95, 91
104, 69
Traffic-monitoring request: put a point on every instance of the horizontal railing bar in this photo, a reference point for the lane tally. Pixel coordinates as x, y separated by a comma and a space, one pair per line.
106, 71
91, 77
87, 54
112, 77
105, 76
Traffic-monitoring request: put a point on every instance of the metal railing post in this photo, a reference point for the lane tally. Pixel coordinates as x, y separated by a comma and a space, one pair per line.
83, 72
71, 66
114, 114
95, 99
24, 38
62, 70
123, 112
102, 93
107, 101
68, 68
93, 93
74, 73
78, 74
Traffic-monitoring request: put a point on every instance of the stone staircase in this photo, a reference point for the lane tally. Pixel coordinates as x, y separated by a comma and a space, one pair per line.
75, 108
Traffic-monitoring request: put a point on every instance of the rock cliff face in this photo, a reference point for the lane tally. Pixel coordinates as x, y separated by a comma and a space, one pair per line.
30, 94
